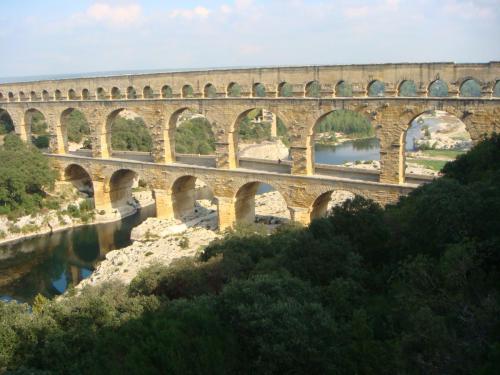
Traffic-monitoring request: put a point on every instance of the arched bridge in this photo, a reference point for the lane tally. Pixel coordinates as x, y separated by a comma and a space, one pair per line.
391, 96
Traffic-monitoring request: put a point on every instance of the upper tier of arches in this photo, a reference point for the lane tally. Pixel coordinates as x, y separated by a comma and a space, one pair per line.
466, 87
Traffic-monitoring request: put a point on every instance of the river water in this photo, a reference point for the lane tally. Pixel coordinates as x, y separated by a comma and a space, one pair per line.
50, 264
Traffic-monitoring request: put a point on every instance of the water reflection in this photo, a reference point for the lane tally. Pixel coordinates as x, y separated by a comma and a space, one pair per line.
50, 264
360, 149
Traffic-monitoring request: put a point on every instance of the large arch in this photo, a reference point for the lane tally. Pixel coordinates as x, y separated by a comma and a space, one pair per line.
327, 200
6, 123
347, 138
37, 129
120, 187
75, 131
260, 134
470, 88
80, 178
245, 210
431, 139
127, 136
191, 137
192, 197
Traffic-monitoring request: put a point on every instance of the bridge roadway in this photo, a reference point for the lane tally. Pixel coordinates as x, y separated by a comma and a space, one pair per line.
173, 186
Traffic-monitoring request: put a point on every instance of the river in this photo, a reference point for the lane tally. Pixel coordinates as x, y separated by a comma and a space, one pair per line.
50, 264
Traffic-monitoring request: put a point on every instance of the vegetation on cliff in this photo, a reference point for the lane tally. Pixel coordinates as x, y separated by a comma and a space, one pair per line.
24, 175
410, 289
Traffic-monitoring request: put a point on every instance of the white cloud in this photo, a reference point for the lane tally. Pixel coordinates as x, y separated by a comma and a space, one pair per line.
115, 15
196, 12
354, 12
468, 9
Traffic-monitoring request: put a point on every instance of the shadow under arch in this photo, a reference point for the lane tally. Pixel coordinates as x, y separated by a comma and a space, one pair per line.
120, 187
327, 200
245, 203
6, 123
80, 178
191, 198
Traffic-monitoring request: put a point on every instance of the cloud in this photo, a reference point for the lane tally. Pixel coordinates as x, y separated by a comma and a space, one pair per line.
196, 12
115, 15
355, 12
468, 9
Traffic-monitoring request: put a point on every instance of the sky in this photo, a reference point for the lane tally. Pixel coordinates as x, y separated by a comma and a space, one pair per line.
45, 37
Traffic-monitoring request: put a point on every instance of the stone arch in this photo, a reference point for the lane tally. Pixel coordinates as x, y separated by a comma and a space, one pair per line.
33, 96
343, 89
11, 97
328, 199
407, 88
58, 95
131, 93
259, 90
469, 88
37, 129
312, 90
80, 178
72, 95
209, 91
191, 133
185, 192
6, 123
101, 93
45, 96
187, 91
22, 96
344, 136
233, 90
496, 89
85, 94
285, 90
244, 201
166, 92
437, 88
441, 134
120, 187
131, 138
147, 92
262, 126
376, 88
74, 128
115, 93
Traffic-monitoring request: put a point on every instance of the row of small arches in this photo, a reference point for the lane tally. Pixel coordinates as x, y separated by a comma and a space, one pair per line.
313, 89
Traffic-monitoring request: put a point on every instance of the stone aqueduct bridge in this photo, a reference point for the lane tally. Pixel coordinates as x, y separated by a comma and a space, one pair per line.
160, 98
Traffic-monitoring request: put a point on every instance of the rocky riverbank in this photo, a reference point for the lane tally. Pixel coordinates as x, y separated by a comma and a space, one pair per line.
162, 241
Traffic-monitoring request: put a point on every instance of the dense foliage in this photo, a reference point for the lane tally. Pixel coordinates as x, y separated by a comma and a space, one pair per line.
409, 289
39, 129
129, 134
251, 130
6, 124
195, 136
347, 122
77, 128
24, 174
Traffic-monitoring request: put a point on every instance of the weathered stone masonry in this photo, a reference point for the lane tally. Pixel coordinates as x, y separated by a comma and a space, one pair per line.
158, 99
